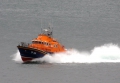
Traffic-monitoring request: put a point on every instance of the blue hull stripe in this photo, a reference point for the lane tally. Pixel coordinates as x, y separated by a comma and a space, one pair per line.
31, 53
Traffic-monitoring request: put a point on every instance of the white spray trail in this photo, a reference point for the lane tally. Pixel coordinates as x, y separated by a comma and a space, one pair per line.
105, 53
17, 58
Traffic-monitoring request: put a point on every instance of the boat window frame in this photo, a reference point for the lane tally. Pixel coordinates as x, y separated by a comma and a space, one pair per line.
55, 45
41, 42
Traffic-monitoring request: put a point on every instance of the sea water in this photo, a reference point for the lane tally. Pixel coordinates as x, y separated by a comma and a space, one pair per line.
89, 29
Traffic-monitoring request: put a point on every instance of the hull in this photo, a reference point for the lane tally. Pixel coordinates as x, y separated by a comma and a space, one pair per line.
28, 54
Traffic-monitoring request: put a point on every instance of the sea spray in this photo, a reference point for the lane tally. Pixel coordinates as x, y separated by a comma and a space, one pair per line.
104, 53
70, 56
17, 58
107, 53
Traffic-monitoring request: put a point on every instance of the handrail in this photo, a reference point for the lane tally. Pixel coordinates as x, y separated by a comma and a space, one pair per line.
24, 44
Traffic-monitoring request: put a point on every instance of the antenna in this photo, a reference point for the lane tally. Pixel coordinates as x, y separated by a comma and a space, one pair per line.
50, 28
41, 23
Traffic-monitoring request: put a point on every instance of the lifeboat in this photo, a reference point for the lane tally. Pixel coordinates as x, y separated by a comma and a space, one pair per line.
40, 46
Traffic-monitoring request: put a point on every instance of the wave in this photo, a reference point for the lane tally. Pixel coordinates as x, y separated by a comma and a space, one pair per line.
100, 54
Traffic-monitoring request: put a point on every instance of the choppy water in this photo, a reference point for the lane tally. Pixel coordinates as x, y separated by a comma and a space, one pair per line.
89, 29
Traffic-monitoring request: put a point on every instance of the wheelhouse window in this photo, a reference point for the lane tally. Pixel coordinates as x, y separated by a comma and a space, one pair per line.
55, 46
41, 42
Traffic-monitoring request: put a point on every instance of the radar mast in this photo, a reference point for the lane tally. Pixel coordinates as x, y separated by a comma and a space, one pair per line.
48, 31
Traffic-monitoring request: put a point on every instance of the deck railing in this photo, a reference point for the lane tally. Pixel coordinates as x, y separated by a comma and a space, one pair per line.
24, 44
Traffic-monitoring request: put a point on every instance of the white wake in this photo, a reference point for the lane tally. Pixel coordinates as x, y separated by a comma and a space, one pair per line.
105, 53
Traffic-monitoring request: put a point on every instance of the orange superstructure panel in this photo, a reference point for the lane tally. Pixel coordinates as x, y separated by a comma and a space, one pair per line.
46, 43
